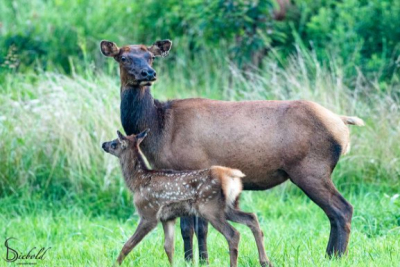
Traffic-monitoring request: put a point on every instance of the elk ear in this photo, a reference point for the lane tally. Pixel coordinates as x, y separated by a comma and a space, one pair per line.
142, 135
109, 49
121, 137
161, 48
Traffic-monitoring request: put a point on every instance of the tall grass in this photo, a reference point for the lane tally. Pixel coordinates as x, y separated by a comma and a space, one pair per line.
52, 125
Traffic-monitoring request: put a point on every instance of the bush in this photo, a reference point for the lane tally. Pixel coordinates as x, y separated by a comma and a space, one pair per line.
51, 34
357, 33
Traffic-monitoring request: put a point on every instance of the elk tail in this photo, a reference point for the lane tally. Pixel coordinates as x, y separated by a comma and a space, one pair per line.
352, 120
231, 183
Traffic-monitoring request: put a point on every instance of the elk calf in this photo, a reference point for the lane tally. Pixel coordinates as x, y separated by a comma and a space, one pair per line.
164, 195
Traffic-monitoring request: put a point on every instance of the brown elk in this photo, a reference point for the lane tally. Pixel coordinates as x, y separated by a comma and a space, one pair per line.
270, 141
164, 195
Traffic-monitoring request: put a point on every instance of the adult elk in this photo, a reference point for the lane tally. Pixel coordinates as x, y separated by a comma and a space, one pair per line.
270, 141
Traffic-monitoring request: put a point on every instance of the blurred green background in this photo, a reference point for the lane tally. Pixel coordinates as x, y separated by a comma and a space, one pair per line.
50, 35
59, 100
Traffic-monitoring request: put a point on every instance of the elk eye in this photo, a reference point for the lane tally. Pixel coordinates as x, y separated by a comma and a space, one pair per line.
123, 59
114, 146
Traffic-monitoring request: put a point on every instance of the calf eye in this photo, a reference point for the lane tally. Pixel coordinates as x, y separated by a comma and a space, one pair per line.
123, 59
113, 146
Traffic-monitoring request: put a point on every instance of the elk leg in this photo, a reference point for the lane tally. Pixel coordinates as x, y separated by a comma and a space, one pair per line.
250, 219
187, 231
142, 230
201, 230
321, 190
169, 236
231, 235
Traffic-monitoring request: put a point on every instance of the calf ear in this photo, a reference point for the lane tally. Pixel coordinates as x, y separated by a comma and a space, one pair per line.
120, 136
161, 48
142, 135
109, 49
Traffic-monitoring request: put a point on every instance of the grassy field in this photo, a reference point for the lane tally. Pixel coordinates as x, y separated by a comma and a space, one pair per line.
58, 189
296, 231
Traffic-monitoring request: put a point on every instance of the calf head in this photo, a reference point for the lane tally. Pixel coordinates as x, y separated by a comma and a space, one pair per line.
123, 144
135, 61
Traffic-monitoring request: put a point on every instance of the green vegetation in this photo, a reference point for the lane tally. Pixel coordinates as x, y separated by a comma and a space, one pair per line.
59, 100
358, 34
296, 231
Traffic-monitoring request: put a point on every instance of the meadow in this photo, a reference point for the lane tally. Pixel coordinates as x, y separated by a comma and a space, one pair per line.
59, 100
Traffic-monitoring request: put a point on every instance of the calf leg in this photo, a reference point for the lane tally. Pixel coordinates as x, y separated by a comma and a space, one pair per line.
142, 230
201, 230
232, 236
187, 231
250, 219
169, 236
321, 190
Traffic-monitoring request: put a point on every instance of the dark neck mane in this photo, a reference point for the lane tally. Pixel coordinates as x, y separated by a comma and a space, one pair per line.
139, 111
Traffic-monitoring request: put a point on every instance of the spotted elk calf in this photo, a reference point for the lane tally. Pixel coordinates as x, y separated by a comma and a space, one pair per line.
164, 195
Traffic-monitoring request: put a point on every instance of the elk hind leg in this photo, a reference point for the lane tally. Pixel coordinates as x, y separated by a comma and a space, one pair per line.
231, 235
321, 190
250, 220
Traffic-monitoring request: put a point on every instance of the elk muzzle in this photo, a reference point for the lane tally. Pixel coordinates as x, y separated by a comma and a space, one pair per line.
105, 146
148, 75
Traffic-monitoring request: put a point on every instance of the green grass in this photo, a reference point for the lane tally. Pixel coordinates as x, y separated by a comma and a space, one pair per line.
296, 231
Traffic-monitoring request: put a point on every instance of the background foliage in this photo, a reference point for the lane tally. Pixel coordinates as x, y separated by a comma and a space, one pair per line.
361, 35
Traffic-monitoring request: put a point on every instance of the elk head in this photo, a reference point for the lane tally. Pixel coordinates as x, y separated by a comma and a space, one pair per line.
122, 144
135, 61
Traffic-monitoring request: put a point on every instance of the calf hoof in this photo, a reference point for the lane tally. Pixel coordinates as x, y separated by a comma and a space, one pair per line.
266, 264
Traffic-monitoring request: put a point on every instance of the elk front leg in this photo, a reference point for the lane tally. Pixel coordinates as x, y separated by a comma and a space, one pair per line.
169, 236
142, 230
201, 230
187, 231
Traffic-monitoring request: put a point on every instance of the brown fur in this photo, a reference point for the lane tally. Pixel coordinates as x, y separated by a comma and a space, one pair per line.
164, 195
270, 141
231, 183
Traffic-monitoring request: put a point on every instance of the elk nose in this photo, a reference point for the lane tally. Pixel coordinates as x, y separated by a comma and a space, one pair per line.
103, 146
148, 74
152, 74
144, 73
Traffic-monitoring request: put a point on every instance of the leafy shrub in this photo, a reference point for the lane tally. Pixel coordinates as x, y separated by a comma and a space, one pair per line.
358, 34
